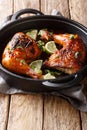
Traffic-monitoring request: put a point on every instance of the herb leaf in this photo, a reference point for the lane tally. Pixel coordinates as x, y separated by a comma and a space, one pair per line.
53, 72
72, 36
41, 44
22, 62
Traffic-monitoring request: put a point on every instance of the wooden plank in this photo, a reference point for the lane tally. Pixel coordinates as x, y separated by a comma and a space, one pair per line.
26, 112
60, 115
78, 11
22, 4
5, 8
84, 114
61, 5
4, 106
84, 120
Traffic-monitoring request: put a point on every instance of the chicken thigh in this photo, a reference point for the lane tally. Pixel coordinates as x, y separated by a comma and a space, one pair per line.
19, 52
71, 57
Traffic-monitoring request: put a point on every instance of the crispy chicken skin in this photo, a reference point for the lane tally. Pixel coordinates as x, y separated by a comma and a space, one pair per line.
45, 35
71, 57
22, 50
19, 52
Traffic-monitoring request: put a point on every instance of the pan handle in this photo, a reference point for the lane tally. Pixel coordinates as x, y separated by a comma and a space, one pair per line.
25, 11
59, 85
57, 13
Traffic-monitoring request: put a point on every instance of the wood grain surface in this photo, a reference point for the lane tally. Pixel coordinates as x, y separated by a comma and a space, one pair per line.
6, 8
26, 112
61, 5
4, 111
38, 112
78, 11
22, 4
60, 115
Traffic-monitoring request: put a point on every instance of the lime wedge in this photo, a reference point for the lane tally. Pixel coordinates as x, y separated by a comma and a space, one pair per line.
32, 33
48, 76
50, 47
36, 65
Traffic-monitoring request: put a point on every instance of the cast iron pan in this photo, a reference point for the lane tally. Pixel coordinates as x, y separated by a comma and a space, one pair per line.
39, 21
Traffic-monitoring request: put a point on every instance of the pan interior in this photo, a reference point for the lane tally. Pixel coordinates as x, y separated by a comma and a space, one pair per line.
50, 22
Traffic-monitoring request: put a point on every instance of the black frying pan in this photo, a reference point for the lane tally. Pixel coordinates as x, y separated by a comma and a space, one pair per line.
40, 21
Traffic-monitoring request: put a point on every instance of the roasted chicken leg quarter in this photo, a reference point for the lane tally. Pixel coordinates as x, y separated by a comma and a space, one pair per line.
71, 57
19, 52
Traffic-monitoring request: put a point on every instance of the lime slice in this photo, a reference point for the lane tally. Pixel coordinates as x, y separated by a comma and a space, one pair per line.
32, 33
50, 47
48, 76
42, 32
36, 65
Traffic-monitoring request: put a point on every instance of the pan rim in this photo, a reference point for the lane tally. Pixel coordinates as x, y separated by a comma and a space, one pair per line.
43, 17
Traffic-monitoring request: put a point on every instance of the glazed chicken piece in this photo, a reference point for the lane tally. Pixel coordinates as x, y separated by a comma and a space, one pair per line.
19, 52
45, 35
71, 57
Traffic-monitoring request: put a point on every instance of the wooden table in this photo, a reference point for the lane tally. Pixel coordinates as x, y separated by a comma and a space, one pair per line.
35, 111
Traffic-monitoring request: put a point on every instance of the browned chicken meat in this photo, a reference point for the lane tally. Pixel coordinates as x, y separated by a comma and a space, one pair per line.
71, 57
45, 35
22, 50
19, 52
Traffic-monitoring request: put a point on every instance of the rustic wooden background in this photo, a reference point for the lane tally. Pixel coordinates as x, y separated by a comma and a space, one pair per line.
38, 112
